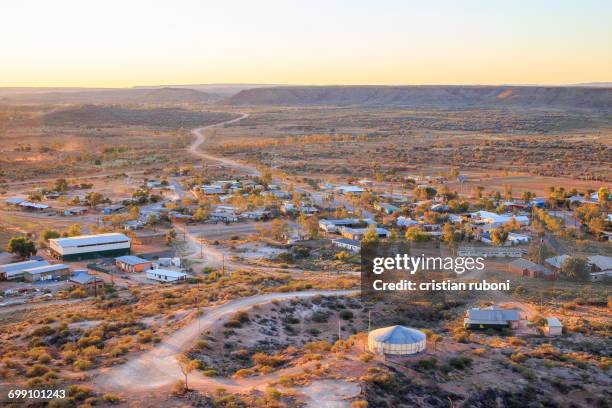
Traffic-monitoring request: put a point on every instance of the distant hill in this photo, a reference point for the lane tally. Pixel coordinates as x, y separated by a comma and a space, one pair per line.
110, 96
115, 115
430, 96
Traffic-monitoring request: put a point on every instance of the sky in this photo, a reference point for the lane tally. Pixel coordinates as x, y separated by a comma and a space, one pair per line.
133, 42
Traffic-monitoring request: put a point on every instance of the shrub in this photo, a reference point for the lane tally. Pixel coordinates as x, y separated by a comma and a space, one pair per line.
359, 404
346, 315
460, 363
37, 370
82, 365
366, 357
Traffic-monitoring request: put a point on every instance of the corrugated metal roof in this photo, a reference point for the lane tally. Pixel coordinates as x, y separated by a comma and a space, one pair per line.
84, 278
45, 269
131, 260
553, 322
602, 262
98, 239
21, 266
494, 316
398, 335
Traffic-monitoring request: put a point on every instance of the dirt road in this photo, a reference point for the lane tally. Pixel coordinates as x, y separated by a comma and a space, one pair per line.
158, 367
200, 134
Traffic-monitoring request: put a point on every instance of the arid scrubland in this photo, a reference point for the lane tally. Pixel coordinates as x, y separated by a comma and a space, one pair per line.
394, 142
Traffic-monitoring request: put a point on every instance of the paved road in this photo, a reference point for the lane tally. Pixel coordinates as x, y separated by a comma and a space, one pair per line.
158, 367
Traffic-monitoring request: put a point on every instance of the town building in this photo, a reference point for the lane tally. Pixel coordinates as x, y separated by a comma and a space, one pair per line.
348, 244
556, 261
359, 233
386, 208
335, 225
166, 275
553, 327
92, 284
526, 268
90, 246
132, 263
15, 270
47, 272
477, 318
350, 190
497, 220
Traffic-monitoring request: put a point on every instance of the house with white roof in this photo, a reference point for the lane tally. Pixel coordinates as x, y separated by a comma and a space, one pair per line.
497, 220
166, 275
348, 189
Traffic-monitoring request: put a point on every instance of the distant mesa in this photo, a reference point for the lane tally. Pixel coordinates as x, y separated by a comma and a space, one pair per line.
574, 97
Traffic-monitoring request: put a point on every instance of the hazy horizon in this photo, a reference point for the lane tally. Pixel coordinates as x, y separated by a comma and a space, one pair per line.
113, 45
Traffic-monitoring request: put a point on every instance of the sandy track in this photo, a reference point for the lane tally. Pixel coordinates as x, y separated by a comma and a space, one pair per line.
158, 367
200, 134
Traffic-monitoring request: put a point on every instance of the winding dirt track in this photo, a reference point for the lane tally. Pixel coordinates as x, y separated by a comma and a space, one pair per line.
158, 368
200, 134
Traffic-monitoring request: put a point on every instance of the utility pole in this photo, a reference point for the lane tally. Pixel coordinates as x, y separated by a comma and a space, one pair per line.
339, 330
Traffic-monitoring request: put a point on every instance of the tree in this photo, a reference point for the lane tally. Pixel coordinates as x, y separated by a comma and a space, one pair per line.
93, 198
134, 213
60, 185
498, 236
574, 268
370, 236
201, 214
425, 192
22, 246
170, 236
416, 234
449, 235
49, 234
74, 230
603, 196
186, 365
597, 227
278, 229
479, 190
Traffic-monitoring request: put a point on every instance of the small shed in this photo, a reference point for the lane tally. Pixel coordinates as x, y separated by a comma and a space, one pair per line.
553, 327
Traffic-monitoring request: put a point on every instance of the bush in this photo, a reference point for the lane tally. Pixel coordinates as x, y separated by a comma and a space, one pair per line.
346, 315
178, 388
359, 404
82, 365
460, 363
366, 357
37, 370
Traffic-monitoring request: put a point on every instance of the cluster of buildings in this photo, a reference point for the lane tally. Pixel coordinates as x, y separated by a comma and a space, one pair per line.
83, 247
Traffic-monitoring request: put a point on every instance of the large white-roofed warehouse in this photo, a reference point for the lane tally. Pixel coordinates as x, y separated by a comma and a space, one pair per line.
397, 340
90, 246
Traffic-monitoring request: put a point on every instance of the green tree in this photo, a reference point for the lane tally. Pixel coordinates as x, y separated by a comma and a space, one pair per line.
499, 236
603, 196
22, 246
74, 230
60, 185
370, 236
574, 268
49, 234
416, 234
93, 198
